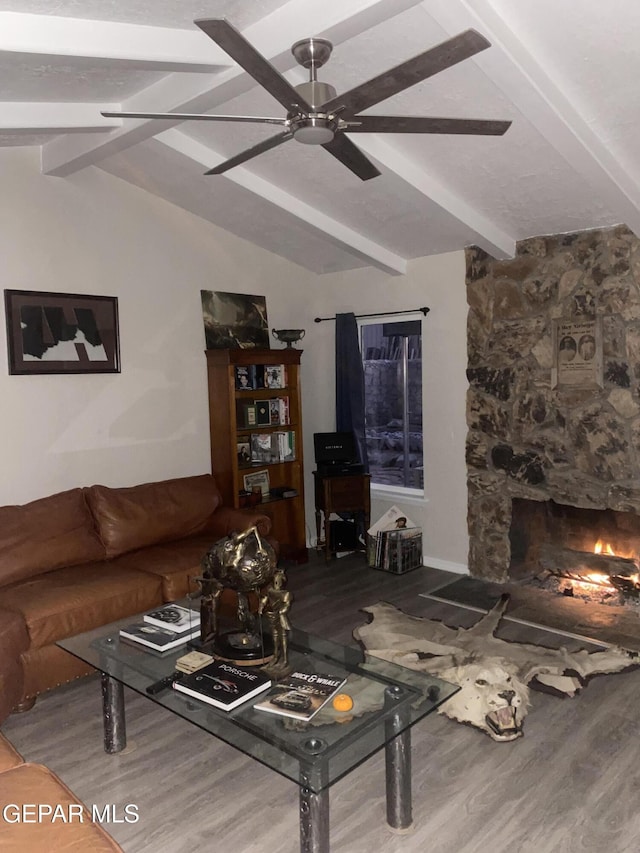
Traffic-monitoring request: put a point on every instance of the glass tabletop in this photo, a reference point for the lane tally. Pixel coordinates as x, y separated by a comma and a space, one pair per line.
387, 700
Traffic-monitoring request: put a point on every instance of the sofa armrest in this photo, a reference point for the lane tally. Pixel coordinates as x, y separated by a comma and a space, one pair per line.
14, 639
227, 519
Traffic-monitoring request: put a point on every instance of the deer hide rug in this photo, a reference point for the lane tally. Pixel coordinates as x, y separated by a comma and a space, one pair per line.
494, 675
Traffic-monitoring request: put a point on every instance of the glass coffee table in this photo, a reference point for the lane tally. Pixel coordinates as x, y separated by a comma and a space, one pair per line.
388, 700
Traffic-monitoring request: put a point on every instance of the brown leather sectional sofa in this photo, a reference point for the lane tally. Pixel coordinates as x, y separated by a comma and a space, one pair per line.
83, 558
69, 563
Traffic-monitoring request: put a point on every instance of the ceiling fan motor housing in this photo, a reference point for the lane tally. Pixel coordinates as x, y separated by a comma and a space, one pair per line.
318, 128
316, 93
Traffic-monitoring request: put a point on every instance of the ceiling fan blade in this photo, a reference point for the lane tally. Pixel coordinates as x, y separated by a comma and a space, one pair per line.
247, 154
247, 57
416, 124
343, 149
199, 117
409, 73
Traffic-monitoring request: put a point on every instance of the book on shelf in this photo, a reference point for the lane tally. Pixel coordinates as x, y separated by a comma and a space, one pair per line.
224, 684
275, 376
279, 410
173, 617
283, 406
270, 447
258, 375
274, 411
245, 377
283, 492
243, 449
154, 637
286, 441
249, 415
263, 413
301, 694
262, 448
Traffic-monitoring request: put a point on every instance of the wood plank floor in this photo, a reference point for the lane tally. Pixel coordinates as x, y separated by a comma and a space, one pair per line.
572, 784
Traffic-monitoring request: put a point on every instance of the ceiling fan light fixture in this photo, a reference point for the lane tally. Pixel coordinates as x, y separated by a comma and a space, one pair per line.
314, 130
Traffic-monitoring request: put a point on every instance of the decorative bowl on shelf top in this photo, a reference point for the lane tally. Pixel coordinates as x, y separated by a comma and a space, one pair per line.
288, 336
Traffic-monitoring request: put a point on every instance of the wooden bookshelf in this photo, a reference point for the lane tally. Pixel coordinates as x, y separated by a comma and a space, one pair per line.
228, 429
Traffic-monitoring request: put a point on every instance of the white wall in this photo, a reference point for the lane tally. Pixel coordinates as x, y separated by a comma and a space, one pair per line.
93, 233
439, 283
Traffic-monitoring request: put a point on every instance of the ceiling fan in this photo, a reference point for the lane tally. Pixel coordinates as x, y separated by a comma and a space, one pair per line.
316, 115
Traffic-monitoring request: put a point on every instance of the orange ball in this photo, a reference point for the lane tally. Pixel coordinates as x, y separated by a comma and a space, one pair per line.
343, 702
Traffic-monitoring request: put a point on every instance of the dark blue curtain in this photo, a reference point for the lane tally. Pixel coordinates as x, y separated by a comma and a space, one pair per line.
350, 383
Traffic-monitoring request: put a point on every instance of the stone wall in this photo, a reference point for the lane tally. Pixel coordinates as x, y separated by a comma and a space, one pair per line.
526, 439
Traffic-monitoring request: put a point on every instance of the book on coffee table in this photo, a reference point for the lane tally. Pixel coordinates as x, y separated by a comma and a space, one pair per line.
173, 617
154, 637
224, 684
301, 694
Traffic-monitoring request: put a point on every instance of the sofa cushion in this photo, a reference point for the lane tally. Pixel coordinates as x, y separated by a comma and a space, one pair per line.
151, 513
34, 784
46, 534
176, 564
79, 598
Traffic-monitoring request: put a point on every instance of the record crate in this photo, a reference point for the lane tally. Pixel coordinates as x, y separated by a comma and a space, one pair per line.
395, 551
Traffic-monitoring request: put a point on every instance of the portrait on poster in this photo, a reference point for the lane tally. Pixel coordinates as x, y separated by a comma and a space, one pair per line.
577, 353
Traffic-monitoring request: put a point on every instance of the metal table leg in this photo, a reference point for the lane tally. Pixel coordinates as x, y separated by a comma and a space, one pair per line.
314, 821
398, 774
314, 807
115, 731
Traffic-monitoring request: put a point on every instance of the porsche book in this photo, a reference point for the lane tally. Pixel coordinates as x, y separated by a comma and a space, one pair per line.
224, 684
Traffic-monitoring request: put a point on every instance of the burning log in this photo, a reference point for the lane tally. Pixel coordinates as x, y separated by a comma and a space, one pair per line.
621, 572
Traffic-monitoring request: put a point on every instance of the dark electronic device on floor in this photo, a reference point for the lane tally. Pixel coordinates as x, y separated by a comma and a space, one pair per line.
343, 536
336, 454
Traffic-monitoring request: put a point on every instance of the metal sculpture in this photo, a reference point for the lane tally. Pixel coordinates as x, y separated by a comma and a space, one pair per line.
245, 563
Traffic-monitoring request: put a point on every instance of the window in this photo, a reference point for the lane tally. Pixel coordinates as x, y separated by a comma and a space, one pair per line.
392, 359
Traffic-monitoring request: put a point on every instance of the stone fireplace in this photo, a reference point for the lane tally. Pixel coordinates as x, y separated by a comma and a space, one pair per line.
530, 440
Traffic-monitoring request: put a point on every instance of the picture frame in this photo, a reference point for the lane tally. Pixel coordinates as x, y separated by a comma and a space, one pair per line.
53, 333
257, 479
577, 353
234, 320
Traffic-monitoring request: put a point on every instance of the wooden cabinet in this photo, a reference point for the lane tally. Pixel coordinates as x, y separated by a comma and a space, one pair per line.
348, 493
232, 428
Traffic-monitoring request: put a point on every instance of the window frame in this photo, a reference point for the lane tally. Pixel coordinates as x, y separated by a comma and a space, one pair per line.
407, 494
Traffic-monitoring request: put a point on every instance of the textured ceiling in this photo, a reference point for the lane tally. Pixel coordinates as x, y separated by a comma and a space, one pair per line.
564, 73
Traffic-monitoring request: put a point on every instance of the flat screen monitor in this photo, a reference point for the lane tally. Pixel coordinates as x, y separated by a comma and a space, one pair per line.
334, 448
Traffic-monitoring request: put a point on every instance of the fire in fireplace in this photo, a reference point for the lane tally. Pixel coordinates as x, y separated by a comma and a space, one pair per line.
586, 553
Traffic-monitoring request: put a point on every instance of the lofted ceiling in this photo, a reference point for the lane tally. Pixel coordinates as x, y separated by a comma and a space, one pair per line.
564, 72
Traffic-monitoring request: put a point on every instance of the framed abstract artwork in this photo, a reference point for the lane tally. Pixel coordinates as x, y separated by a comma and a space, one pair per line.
61, 332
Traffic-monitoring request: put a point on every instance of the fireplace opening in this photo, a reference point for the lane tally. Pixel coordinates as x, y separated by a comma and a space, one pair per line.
584, 553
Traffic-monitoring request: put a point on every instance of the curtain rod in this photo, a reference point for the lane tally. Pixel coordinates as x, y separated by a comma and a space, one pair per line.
425, 311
